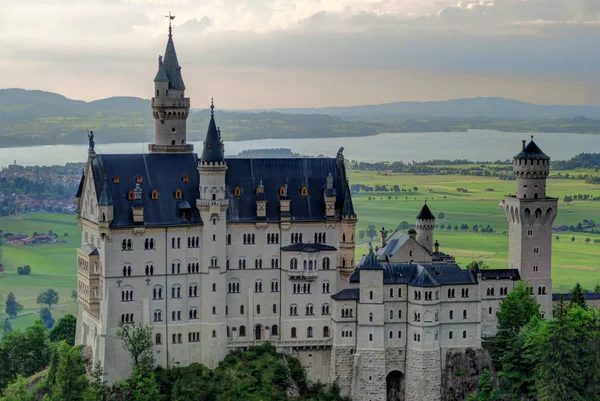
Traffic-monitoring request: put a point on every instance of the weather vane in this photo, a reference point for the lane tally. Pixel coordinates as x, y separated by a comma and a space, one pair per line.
171, 18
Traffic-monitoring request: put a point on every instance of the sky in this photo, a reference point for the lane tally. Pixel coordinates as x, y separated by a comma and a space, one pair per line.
307, 53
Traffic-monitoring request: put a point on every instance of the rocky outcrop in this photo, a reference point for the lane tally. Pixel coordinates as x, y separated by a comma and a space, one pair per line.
461, 372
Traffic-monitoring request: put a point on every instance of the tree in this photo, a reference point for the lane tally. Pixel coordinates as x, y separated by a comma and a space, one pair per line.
577, 297
12, 306
7, 325
597, 288
97, 389
371, 231
17, 391
442, 226
557, 238
515, 311
26, 270
137, 341
480, 263
587, 240
485, 388
48, 297
71, 380
441, 216
36, 344
556, 372
455, 227
74, 295
47, 318
64, 330
572, 239
416, 189
142, 386
403, 225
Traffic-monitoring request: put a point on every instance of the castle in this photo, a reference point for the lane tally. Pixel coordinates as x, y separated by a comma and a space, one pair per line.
220, 253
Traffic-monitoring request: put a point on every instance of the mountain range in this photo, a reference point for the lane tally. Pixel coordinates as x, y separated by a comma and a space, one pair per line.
29, 117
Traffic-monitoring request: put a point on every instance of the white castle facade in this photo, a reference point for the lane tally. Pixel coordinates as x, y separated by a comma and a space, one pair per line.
220, 253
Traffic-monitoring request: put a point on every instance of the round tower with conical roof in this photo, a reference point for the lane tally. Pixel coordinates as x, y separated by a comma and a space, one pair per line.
170, 107
530, 214
425, 224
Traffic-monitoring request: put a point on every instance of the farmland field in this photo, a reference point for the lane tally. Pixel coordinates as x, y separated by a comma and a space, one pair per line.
53, 265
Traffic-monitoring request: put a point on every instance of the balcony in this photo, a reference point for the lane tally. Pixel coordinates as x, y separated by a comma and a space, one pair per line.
309, 275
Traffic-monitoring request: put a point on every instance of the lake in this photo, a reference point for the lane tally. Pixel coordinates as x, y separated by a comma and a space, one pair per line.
479, 145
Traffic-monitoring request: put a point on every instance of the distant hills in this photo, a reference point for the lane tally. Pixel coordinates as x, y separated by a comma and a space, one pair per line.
30, 117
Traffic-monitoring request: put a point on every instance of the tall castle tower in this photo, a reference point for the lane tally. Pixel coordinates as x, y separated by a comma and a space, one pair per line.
531, 214
170, 107
212, 206
425, 224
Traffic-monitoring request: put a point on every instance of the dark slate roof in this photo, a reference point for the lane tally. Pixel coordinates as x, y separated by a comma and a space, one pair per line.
275, 173
80, 188
422, 278
310, 248
370, 262
161, 75
162, 172
349, 294
532, 152
348, 206
172, 68
425, 213
502, 274
90, 250
588, 296
105, 197
213, 147
425, 275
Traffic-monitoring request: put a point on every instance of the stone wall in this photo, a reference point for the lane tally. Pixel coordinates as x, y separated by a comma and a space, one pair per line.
462, 368
370, 384
316, 362
423, 375
342, 368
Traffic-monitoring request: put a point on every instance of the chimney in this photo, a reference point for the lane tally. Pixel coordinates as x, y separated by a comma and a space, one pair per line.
436, 247
524, 144
383, 236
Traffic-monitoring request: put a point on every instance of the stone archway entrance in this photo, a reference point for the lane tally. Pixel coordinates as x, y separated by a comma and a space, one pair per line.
395, 386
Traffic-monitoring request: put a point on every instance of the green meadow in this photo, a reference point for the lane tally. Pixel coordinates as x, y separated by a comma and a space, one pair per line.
54, 265
572, 261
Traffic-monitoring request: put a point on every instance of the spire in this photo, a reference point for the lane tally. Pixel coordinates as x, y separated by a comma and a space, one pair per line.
171, 64
213, 147
425, 213
161, 75
531, 152
371, 262
348, 207
105, 198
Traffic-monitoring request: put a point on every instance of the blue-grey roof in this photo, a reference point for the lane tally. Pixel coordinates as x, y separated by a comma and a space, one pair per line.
105, 197
370, 262
500, 274
89, 250
310, 248
532, 152
275, 173
425, 213
80, 188
411, 273
161, 75
164, 173
213, 147
349, 294
172, 68
161, 172
393, 244
348, 206
587, 295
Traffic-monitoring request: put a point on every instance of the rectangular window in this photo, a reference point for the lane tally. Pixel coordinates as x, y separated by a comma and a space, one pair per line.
214, 310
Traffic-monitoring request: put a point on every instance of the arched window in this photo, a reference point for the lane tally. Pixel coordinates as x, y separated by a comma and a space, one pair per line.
326, 287
309, 309
325, 309
325, 332
293, 332
464, 314
158, 339
242, 331
294, 264
370, 317
371, 295
370, 337
309, 332
178, 194
293, 310
450, 335
154, 194
451, 315
274, 330
464, 334
237, 192
258, 286
326, 263
304, 191
258, 309
131, 195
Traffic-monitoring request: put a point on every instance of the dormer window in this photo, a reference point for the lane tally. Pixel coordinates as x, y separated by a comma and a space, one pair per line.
237, 192
178, 194
282, 191
304, 191
185, 178
131, 195
139, 178
154, 195
116, 179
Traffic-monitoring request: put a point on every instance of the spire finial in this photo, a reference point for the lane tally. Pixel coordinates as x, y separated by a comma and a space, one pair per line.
171, 18
212, 107
532, 137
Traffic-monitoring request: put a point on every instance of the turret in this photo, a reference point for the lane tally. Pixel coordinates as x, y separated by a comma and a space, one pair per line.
531, 168
170, 107
425, 224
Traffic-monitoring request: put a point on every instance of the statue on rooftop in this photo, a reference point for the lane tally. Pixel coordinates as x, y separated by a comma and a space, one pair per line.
91, 141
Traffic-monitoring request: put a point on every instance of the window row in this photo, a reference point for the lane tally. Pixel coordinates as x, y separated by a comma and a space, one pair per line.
193, 242
126, 295
296, 238
176, 242
320, 237
491, 291
347, 312
149, 243
399, 292
127, 318
248, 239
451, 314
310, 265
273, 238
392, 314
301, 288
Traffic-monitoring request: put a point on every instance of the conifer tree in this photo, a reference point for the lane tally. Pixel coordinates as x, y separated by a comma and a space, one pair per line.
577, 297
71, 380
12, 306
